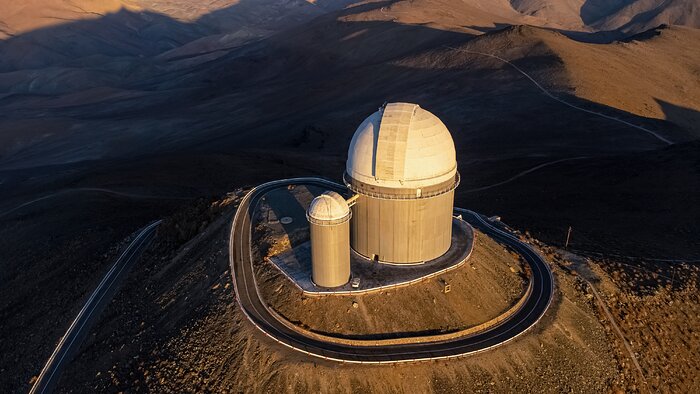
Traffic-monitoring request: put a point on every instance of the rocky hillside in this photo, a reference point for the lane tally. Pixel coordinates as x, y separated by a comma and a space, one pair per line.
170, 99
97, 101
628, 16
609, 74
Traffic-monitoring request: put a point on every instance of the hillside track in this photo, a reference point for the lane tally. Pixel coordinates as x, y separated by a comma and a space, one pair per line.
554, 97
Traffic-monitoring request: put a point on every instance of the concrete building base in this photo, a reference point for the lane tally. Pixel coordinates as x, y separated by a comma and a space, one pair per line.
295, 263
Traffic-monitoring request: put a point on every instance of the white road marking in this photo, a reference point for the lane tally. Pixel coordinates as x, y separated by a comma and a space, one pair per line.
43, 380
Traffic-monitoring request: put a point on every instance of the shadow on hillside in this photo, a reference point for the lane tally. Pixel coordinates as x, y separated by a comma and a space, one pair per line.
686, 118
486, 29
594, 10
260, 98
126, 33
95, 41
326, 76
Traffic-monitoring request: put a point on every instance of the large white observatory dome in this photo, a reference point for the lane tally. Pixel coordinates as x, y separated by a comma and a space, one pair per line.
402, 146
402, 168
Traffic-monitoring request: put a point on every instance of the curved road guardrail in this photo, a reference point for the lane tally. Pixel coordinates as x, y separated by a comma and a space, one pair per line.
256, 310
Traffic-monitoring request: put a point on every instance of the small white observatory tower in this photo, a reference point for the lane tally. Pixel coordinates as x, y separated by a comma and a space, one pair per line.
329, 219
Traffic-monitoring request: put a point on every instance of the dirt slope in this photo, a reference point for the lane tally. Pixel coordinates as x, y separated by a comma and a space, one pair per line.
642, 15
186, 106
567, 12
628, 16
174, 76
609, 74
21, 17
641, 204
77, 31
668, 88
17, 17
490, 283
184, 332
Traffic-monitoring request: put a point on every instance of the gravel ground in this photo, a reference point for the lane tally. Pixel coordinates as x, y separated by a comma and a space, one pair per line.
180, 330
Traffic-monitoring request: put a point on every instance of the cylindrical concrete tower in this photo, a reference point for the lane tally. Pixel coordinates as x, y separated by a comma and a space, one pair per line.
403, 166
329, 220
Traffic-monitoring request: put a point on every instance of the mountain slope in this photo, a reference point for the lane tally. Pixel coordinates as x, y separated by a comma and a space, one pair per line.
640, 204
627, 16
654, 77
320, 75
642, 15
649, 75
19, 17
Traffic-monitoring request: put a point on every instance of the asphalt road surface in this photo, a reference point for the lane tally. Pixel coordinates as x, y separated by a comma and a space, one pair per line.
99, 298
253, 306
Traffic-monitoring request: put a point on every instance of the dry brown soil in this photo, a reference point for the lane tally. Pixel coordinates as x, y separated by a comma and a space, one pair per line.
176, 327
481, 290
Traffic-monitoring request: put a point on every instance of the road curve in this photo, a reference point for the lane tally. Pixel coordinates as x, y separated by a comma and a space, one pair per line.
100, 297
256, 310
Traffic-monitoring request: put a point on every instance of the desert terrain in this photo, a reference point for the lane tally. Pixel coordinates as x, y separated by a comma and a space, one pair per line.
491, 282
183, 330
564, 113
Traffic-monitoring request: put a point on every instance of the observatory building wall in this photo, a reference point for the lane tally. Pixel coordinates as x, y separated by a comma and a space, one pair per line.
402, 165
402, 228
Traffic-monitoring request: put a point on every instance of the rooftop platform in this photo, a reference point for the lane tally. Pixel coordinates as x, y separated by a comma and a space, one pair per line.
293, 258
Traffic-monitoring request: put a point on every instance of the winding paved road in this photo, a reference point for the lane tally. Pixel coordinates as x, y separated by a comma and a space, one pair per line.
93, 306
253, 305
